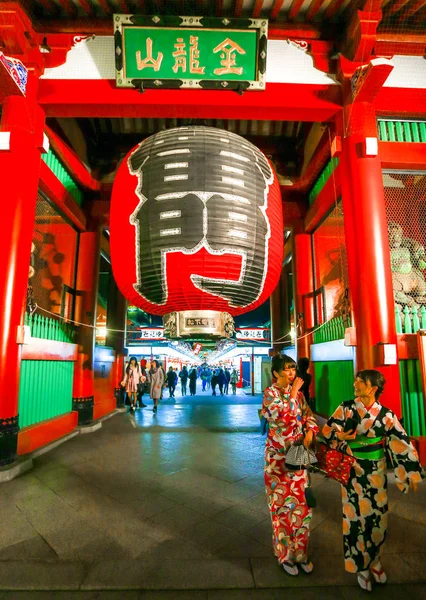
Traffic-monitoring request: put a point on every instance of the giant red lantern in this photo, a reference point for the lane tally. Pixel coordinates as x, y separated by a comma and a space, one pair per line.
196, 228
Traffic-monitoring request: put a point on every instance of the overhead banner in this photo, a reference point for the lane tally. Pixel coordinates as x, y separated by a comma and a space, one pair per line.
190, 52
261, 334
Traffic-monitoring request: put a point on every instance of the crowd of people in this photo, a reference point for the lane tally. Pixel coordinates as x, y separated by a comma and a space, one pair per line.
139, 379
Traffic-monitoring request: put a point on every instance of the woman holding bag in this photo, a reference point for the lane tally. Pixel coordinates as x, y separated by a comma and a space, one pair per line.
291, 422
368, 431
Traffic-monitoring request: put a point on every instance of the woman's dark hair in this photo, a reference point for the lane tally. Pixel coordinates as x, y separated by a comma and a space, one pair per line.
303, 364
280, 362
374, 378
130, 360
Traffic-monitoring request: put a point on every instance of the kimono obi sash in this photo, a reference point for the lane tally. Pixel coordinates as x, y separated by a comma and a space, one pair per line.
367, 448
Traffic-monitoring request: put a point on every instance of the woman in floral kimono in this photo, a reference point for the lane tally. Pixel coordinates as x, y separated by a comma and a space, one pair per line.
290, 422
369, 431
131, 381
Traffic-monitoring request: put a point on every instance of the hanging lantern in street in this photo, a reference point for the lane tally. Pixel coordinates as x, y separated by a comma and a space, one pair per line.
196, 229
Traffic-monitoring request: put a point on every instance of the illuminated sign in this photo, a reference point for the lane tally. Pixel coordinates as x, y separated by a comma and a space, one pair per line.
152, 334
193, 52
260, 334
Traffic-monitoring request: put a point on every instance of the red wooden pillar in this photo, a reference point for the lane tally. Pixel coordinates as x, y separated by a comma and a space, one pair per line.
369, 269
20, 168
87, 283
304, 284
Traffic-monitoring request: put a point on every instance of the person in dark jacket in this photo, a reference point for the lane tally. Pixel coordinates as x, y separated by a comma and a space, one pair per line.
193, 381
221, 380
143, 385
183, 376
171, 379
214, 382
227, 377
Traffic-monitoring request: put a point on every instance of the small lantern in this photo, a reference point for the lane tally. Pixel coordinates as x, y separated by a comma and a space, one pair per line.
196, 229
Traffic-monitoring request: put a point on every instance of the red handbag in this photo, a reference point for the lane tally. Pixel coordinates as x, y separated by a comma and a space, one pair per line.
335, 464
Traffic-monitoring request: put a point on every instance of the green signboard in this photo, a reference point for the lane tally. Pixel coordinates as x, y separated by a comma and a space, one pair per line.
190, 52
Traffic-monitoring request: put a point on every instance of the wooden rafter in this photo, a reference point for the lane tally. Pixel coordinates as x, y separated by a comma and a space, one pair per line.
105, 6
257, 9
67, 7
333, 8
295, 9
276, 9
411, 10
219, 8
313, 9
85, 5
396, 7
123, 6
238, 8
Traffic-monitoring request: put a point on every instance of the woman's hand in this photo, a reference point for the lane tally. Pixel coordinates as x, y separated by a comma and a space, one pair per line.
295, 387
309, 437
342, 436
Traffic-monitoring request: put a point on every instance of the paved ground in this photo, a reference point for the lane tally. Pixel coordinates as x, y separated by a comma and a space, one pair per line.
173, 506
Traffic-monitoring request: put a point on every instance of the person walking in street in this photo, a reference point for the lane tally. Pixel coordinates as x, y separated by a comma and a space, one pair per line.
234, 380
227, 380
157, 382
372, 433
193, 381
171, 381
291, 423
214, 382
131, 381
143, 385
204, 378
221, 380
183, 376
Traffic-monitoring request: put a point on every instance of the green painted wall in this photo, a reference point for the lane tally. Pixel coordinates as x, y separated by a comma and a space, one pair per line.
333, 384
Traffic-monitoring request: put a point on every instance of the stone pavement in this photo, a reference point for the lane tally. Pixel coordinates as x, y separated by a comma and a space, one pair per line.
172, 506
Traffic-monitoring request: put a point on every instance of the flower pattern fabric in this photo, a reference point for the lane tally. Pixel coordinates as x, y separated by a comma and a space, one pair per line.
365, 501
285, 489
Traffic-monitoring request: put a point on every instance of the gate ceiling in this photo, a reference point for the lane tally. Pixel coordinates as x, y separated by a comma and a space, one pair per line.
110, 139
326, 14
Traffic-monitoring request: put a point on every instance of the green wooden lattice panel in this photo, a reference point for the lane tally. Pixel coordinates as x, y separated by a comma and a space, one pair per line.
56, 166
413, 408
45, 390
401, 131
322, 179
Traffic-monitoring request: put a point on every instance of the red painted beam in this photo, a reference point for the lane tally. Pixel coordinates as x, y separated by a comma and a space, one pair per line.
38, 435
403, 155
73, 163
55, 191
409, 102
101, 98
406, 43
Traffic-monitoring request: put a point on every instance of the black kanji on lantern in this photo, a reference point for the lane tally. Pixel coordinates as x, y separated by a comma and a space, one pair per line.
201, 187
